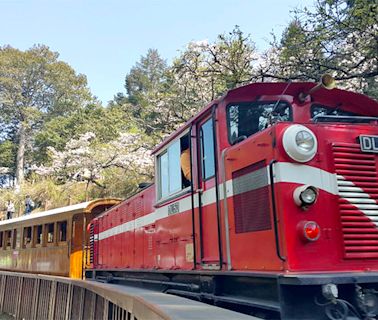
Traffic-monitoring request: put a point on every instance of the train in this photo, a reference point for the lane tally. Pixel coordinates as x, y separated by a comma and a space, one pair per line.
53, 242
264, 202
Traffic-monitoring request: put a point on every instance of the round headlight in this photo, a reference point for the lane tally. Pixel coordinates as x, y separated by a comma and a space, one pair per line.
305, 140
305, 195
299, 143
308, 196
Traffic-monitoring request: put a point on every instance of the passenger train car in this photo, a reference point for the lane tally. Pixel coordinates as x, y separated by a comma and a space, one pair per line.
51, 242
279, 216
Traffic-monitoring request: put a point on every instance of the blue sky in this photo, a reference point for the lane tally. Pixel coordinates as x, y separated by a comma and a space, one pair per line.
104, 39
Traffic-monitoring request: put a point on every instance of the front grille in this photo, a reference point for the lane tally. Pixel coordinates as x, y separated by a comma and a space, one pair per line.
251, 198
358, 190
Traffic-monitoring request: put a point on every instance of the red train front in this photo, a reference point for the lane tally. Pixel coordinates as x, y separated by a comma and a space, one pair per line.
265, 202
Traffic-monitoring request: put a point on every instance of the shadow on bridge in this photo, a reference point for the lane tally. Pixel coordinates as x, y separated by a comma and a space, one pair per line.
26, 296
41, 297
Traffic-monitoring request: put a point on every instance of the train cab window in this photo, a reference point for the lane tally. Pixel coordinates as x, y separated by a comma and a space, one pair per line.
27, 237
62, 231
49, 232
207, 149
321, 110
247, 118
38, 235
174, 173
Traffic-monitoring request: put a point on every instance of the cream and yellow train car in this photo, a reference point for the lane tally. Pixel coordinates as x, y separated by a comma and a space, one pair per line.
50, 242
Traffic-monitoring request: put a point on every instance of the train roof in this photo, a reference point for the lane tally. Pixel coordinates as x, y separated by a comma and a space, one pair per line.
332, 97
85, 207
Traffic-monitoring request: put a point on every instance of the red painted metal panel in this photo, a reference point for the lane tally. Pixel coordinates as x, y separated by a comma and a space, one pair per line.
252, 250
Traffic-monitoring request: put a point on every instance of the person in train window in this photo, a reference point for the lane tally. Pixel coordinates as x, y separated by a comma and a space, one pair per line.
185, 161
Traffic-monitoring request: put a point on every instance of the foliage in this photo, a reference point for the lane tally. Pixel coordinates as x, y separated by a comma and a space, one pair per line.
159, 97
35, 86
47, 195
7, 154
105, 123
84, 159
339, 36
220, 66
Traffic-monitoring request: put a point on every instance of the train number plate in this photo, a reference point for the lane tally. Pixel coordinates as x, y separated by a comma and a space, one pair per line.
369, 143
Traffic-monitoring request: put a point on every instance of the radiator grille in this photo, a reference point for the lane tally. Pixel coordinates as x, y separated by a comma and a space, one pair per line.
91, 243
251, 198
358, 189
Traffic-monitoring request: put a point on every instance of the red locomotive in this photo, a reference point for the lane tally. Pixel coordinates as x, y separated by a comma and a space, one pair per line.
264, 202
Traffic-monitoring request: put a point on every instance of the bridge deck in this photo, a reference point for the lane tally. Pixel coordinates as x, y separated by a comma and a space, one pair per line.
31, 296
179, 308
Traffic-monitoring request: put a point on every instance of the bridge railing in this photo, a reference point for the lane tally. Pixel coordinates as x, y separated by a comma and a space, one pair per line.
27, 296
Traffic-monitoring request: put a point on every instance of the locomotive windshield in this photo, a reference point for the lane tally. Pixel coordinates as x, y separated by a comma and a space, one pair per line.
321, 113
247, 118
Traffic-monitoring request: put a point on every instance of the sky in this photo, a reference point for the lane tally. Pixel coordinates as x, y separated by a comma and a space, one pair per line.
104, 39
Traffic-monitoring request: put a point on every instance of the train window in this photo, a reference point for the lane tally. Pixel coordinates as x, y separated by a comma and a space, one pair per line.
62, 231
247, 118
318, 110
38, 234
49, 232
27, 237
163, 175
18, 238
15, 239
174, 168
8, 238
207, 150
1, 239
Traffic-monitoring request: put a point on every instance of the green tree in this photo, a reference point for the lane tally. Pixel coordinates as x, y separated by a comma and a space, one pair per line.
225, 64
147, 76
338, 36
35, 86
105, 123
146, 88
159, 97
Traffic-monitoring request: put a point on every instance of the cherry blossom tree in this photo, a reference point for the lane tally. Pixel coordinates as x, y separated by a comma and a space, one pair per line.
84, 159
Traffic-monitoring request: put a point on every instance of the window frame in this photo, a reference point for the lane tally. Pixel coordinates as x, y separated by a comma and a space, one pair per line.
201, 153
15, 243
178, 193
319, 105
254, 102
46, 233
35, 236
8, 239
30, 243
58, 228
